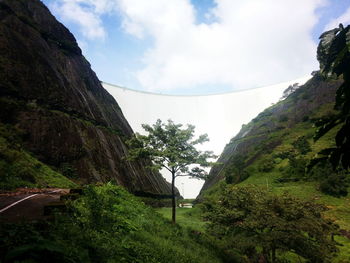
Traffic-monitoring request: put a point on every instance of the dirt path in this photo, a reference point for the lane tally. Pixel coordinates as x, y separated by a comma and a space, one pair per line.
27, 204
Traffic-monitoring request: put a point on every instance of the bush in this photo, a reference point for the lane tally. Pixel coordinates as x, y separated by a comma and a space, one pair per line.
332, 182
302, 145
335, 185
263, 226
296, 168
108, 224
235, 172
266, 165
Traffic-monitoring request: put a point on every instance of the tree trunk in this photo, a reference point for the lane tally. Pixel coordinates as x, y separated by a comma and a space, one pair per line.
173, 197
273, 255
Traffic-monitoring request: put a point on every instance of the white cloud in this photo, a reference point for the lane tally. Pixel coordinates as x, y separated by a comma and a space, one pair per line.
87, 17
344, 18
251, 43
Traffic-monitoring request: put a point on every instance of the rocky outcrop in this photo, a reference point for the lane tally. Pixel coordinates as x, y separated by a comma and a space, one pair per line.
49, 91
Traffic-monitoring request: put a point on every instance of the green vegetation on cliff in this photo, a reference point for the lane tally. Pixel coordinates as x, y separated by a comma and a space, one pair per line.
278, 144
19, 168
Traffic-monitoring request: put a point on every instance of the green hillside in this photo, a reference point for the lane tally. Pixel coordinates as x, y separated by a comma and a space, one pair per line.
274, 156
281, 134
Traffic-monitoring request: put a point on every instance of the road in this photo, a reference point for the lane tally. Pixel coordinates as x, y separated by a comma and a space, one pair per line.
27, 204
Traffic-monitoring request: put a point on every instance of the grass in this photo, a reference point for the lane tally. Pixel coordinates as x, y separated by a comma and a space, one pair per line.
339, 207
185, 217
344, 250
25, 170
19, 168
108, 224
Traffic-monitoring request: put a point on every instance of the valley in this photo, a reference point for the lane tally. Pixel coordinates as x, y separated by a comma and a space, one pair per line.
77, 184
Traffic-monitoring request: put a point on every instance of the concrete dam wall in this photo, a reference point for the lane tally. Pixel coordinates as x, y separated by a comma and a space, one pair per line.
220, 115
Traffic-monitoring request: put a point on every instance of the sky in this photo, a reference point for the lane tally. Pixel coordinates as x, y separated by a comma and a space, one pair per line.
199, 46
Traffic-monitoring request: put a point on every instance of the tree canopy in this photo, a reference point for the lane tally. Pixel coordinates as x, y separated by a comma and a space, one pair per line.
262, 226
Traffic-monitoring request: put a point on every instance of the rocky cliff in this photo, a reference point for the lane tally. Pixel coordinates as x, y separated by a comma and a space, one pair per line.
49, 93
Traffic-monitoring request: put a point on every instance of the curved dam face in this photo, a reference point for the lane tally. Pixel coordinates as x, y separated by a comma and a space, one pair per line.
220, 116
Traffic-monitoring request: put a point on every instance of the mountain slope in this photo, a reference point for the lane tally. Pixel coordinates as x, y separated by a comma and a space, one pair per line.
276, 128
52, 97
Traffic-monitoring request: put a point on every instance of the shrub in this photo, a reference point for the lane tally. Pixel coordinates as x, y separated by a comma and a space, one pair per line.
263, 226
302, 145
336, 185
296, 168
266, 165
108, 224
332, 182
235, 172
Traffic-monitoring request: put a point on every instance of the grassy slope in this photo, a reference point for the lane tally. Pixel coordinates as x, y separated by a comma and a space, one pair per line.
288, 131
339, 208
19, 168
186, 217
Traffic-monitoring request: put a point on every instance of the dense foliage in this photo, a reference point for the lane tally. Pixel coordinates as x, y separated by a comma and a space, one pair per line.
106, 224
236, 171
264, 227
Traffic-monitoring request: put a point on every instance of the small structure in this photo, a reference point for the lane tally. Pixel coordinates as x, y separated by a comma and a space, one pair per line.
186, 205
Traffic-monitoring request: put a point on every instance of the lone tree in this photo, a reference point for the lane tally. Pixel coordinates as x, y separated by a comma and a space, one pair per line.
173, 148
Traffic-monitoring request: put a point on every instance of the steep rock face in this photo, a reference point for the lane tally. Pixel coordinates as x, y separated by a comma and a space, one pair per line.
265, 132
49, 91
